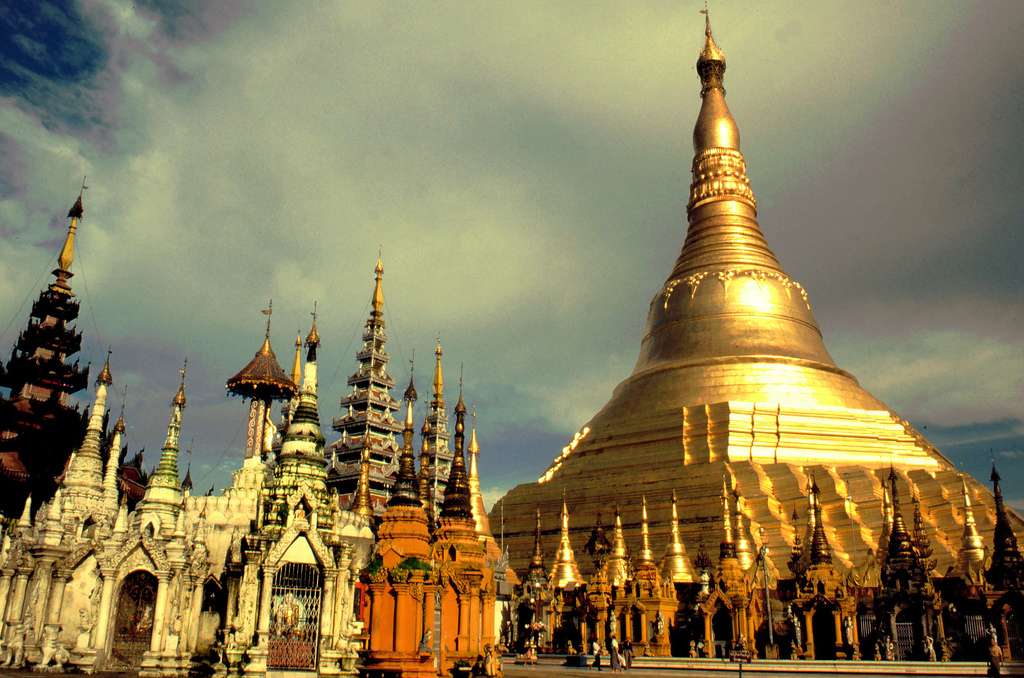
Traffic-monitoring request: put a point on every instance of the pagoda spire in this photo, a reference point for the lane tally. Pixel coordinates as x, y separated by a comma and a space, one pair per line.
887, 524
1007, 569
922, 547
438, 376
537, 572
727, 548
565, 572
901, 545
821, 550
618, 559
377, 301
457, 500
110, 475
67, 252
797, 563
366, 458
84, 477
297, 362
972, 546
425, 490
483, 524
361, 503
406, 491
598, 547
674, 565
163, 492
744, 549
646, 556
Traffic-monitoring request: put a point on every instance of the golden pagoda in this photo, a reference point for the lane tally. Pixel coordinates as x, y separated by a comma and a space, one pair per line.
733, 379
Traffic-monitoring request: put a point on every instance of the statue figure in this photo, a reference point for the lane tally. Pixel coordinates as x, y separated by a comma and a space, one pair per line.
492, 665
848, 631
693, 649
84, 628
16, 647
705, 583
48, 647
929, 648
797, 632
286, 617
613, 626
659, 625
890, 650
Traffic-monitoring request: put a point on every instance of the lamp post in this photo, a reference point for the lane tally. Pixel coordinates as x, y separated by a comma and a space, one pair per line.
769, 649
849, 512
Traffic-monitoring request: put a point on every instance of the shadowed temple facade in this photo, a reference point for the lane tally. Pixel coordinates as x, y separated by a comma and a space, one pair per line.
737, 433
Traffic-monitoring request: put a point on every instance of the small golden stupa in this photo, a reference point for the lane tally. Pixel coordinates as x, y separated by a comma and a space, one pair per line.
733, 379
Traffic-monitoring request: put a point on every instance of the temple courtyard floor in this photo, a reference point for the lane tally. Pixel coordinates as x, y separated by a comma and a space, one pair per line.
682, 668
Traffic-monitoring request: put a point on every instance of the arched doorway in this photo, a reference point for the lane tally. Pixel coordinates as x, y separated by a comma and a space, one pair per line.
133, 623
721, 630
823, 624
295, 617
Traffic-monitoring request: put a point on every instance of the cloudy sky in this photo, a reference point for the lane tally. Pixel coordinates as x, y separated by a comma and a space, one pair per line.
523, 167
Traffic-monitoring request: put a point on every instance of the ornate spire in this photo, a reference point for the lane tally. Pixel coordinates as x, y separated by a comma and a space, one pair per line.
646, 556
598, 546
703, 561
104, 375
744, 549
901, 545
84, 477
163, 492
711, 62
377, 315
564, 572
67, 252
1007, 570
483, 524
110, 475
457, 502
312, 339
406, 491
727, 549
297, 363
821, 550
972, 546
797, 564
361, 503
921, 546
618, 560
886, 534
438, 377
537, 572
674, 566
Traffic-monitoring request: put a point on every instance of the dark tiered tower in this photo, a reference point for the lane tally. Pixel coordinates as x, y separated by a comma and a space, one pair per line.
366, 424
38, 428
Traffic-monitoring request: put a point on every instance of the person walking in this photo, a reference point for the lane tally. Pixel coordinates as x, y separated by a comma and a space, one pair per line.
596, 648
616, 664
995, 658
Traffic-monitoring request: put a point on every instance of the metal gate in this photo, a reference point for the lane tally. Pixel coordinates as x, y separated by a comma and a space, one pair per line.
295, 617
1013, 637
133, 625
904, 640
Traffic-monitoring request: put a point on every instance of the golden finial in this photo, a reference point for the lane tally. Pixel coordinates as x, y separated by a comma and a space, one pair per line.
438, 376
378, 294
362, 504
67, 252
104, 376
268, 312
179, 398
711, 62
313, 338
297, 363
119, 427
